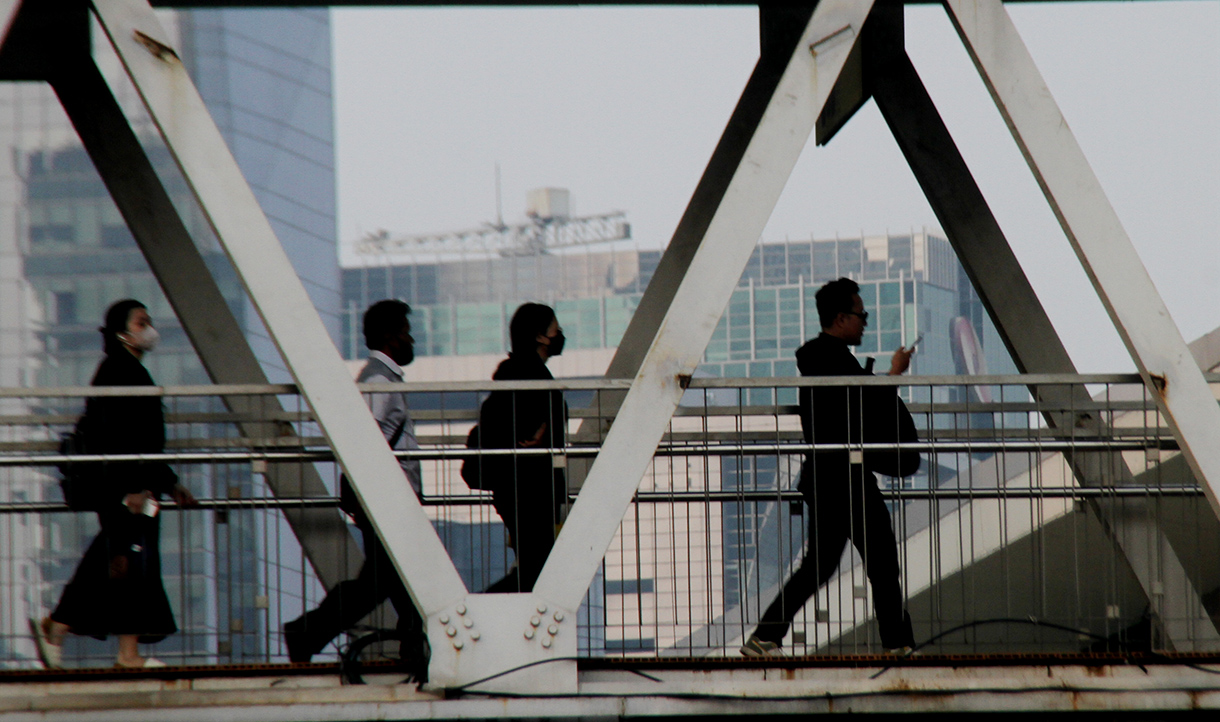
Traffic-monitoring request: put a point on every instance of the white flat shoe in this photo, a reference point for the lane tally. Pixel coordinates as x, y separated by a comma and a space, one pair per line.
51, 655
149, 663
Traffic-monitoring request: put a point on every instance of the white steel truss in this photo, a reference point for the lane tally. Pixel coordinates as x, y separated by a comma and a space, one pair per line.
171, 101
1018, 315
807, 59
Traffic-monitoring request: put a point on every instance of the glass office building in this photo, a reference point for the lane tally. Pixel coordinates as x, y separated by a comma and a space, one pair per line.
912, 285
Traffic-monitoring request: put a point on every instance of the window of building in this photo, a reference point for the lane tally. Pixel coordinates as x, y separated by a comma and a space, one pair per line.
116, 236
630, 586
53, 233
64, 311
631, 645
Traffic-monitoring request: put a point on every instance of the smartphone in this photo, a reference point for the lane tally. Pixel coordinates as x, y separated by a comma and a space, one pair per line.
916, 341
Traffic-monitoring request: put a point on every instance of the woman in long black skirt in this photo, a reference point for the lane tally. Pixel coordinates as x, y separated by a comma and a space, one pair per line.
117, 587
529, 492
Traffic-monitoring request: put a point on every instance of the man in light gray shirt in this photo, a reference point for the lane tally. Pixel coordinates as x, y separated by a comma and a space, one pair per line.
387, 333
390, 410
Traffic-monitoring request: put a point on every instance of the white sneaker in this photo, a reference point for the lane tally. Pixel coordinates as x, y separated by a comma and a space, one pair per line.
755, 647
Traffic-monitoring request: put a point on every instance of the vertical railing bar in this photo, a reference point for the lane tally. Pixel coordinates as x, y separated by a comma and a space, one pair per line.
707, 512
968, 517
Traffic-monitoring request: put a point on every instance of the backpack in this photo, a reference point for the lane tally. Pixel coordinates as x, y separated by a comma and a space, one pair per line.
472, 466
485, 473
80, 482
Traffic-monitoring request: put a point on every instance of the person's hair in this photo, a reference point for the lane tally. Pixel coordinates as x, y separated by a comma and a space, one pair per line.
383, 320
116, 323
835, 298
529, 321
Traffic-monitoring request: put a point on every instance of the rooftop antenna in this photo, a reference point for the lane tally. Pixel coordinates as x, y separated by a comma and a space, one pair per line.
499, 204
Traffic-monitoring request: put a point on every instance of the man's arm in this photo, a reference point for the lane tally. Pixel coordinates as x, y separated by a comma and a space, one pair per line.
390, 413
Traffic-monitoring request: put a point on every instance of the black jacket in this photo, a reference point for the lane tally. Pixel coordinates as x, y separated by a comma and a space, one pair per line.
851, 414
128, 425
511, 417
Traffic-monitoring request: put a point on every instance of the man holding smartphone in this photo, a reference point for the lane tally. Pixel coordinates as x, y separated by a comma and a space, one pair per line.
838, 485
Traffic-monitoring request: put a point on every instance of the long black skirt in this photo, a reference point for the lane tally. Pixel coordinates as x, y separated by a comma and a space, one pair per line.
117, 586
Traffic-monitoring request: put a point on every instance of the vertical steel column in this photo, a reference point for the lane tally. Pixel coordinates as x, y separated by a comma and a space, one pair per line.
1095, 233
700, 281
225, 199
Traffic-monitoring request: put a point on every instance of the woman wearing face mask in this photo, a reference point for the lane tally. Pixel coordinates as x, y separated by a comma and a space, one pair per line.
529, 492
117, 586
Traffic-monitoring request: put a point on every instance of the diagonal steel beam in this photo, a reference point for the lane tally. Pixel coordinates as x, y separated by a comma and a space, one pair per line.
1019, 316
779, 28
275, 291
1095, 233
727, 231
8, 13
189, 286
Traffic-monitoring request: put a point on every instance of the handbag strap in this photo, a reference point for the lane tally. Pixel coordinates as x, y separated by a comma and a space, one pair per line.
398, 432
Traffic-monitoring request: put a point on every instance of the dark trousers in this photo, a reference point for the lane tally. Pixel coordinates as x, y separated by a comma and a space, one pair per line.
840, 511
350, 601
530, 520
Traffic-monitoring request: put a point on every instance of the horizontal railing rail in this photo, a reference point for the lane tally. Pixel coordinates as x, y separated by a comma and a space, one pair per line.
326, 502
581, 384
222, 457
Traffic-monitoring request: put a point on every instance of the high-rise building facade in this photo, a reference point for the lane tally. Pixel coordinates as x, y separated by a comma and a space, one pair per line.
912, 284
265, 76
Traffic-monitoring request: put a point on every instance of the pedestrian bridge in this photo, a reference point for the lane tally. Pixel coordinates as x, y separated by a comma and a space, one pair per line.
1056, 550
1045, 567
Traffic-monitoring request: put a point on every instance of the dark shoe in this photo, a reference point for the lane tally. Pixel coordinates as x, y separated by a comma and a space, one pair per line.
897, 634
297, 642
415, 652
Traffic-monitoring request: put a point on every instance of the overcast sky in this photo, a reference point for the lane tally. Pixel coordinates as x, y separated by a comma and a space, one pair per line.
623, 106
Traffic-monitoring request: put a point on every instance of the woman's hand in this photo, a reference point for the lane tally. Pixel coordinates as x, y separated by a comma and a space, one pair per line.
536, 440
182, 496
135, 502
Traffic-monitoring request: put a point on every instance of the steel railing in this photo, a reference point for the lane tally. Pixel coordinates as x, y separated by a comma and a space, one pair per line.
1010, 518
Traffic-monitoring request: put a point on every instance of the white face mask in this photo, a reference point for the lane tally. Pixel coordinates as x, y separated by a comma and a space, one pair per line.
144, 340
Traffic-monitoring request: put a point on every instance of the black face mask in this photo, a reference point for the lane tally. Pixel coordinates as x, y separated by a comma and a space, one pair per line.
401, 350
556, 347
